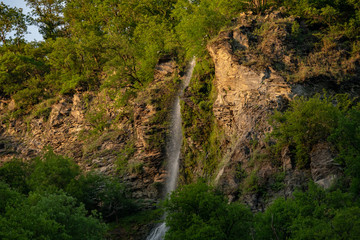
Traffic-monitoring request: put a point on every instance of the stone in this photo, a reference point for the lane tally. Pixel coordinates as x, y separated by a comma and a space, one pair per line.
12, 105
324, 169
68, 124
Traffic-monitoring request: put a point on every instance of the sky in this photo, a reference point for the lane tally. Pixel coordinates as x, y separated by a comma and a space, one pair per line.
33, 30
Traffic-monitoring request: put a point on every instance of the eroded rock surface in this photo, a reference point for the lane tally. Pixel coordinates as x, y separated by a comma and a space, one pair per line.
247, 94
324, 170
96, 132
245, 98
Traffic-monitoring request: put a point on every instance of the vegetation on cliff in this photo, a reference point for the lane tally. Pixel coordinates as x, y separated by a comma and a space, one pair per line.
310, 121
89, 45
112, 47
197, 211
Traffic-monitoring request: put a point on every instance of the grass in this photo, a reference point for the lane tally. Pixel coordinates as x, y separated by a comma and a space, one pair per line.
135, 167
251, 184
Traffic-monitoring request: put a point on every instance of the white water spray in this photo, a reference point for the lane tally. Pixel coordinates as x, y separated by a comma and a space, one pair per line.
173, 148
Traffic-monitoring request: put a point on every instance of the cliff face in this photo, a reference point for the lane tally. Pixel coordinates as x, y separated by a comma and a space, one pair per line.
249, 90
245, 99
100, 133
252, 63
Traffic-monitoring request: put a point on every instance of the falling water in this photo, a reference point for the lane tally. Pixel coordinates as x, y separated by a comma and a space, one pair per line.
173, 148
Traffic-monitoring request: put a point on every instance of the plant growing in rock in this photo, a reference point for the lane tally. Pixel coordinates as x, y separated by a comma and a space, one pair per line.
305, 123
320, 119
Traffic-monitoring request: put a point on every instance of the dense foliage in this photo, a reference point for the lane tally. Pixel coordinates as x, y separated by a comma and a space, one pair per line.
321, 119
49, 197
197, 211
314, 214
93, 44
100, 44
115, 44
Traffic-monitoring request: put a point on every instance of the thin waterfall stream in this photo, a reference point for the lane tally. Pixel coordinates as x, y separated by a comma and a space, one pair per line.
173, 149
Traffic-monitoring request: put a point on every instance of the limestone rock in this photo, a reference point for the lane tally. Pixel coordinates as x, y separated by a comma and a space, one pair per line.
244, 100
324, 170
248, 90
246, 96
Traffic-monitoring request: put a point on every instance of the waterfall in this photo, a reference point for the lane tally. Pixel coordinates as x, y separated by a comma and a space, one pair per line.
173, 149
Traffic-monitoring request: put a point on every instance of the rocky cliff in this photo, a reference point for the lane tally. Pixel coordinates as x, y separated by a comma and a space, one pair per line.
257, 71
100, 132
250, 86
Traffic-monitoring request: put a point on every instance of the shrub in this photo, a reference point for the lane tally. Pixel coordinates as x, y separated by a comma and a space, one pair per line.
197, 211
52, 171
50, 216
102, 193
305, 123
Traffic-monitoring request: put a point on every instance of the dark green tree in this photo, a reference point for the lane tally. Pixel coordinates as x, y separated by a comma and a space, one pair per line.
48, 16
52, 172
49, 216
104, 194
313, 214
11, 19
8, 197
15, 173
197, 211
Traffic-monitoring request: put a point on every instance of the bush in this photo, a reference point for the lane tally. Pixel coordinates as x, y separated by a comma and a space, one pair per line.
197, 211
49, 216
52, 172
104, 194
305, 123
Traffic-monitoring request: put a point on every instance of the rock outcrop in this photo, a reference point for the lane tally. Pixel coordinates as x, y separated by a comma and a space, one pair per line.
324, 169
245, 99
97, 133
248, 92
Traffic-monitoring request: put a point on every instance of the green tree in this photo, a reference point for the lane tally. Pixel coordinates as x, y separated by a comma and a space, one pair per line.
49, 216
8, 197
314, 120
52, 172
197, 22
15, 173
305, 123
22, 70
104, 194
48, 16
347, 140
313, 214
11, 19
196, 211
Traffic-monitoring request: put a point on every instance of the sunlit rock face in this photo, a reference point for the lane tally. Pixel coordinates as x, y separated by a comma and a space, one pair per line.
245, 99
248, 92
